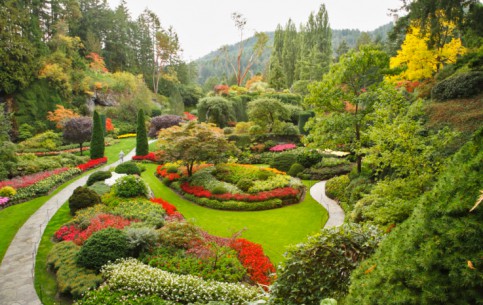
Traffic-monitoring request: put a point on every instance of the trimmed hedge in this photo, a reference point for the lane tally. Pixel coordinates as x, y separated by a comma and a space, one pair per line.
129, 168
97, 140
82, 198
460, 86
283, 161
142, 146
303, 118
295, 169
98, 176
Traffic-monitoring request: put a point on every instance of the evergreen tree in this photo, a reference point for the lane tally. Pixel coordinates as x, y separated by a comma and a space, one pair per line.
276, 77
289, 53
142, 148
97, 140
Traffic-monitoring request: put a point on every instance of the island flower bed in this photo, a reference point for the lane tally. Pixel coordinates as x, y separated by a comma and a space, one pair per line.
149, 157
25, 181
91, 164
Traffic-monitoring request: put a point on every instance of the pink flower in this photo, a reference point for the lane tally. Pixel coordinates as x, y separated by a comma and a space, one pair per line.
282, 147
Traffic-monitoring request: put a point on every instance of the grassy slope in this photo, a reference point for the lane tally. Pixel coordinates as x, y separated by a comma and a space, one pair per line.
13, 218
273, 229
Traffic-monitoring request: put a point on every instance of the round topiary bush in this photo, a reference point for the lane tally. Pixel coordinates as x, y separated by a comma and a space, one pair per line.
130, 186
295, 169
219, 190
245, 184
82, 198
129, 168
309, 158
335, 187
98, 176
102, 247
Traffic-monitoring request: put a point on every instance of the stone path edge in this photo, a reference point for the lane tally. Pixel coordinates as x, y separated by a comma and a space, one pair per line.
336, 214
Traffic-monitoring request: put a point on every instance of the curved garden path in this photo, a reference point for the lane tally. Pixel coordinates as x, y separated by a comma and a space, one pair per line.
18, 265
336, 214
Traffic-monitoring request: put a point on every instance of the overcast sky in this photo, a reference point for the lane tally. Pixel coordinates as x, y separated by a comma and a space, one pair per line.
206, 25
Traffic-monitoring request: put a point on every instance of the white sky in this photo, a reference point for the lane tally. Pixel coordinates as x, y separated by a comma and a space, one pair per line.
205, 25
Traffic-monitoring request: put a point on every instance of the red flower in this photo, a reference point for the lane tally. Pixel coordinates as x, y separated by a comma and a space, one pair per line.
92, 163
24, 181
150, 157
168, 207
161, 171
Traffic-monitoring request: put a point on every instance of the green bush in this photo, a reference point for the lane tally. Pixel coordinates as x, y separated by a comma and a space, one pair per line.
141, 239
245, 184
71, 279
228, 130
142, 147
102, 247
463, 85
285, 128
82, 198
97, 140
151, 214
98, 176
295, 169
179, 234
241, 141
283, 161
218, 264
219, 190
100, 188
255, 129
309, 157
130, 186
325, 173
130, 168
106, 296
48, 140
320, 267
303, 119
172, 169
335, 187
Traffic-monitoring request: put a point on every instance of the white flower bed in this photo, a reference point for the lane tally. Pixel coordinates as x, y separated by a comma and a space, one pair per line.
113, 179
132, 275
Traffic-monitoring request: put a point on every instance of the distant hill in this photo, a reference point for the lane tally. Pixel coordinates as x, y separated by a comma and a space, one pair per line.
213, 64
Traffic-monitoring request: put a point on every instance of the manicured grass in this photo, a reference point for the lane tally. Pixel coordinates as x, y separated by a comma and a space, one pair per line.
45, 281
13, 217
273, 229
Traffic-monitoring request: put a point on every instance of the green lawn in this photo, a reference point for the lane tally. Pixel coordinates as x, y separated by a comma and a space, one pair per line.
13, 218
273, 229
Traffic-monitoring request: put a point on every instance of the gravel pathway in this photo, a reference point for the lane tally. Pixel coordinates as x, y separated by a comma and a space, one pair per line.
18, 265
336, 214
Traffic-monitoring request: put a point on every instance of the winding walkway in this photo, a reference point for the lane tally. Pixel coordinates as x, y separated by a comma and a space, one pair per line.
336, 214
18, 265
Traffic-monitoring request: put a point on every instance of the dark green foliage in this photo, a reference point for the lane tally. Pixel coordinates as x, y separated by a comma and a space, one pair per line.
283, 161
216, 110
320, 267
244, 184
303, 118
460, 86
98, 176
435, 256
71, 279
106, 296
97, 140
324, 173
241, 141
129, 168
100, 188
130, 186
142, 147
102, 247
295, 169
219, 190
82, 198
103, 122
309, 157
286, 98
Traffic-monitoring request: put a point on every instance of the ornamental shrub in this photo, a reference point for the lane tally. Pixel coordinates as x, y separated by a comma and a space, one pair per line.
219, 190
163, 122
97, 141
335, 187
7, 191
245, 184
130, 186
129, 168
142, 146
283, 161
98, 176
102, 247
179, 234
82, 198
149, 213
463, 85
71, 278
309, 157
295, 169
327, 259
106, 296
141, 239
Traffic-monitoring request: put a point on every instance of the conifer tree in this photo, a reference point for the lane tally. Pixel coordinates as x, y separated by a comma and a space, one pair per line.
97, 140
142, 148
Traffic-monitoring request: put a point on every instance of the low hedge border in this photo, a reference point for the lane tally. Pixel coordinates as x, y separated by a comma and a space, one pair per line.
232, 205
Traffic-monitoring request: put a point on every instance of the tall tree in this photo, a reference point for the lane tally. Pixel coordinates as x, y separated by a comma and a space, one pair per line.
240, 72
166, 54
289, 52
97, 140
340, 103
142, 147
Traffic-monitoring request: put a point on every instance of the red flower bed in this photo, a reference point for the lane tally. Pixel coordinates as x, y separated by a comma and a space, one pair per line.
254, 260
199, 191
101, 221
92, 163
170, 209
24, 181
150, 157
164, 173
283, 147
190, 117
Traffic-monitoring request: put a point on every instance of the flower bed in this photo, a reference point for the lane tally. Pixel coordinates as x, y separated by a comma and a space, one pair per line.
91, 164
149, 157
25, 181
283, 147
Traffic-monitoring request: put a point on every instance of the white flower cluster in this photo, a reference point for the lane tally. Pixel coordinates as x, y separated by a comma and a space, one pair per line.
132, 275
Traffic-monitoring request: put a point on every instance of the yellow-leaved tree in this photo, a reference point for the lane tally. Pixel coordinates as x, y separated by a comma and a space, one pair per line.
421, 62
